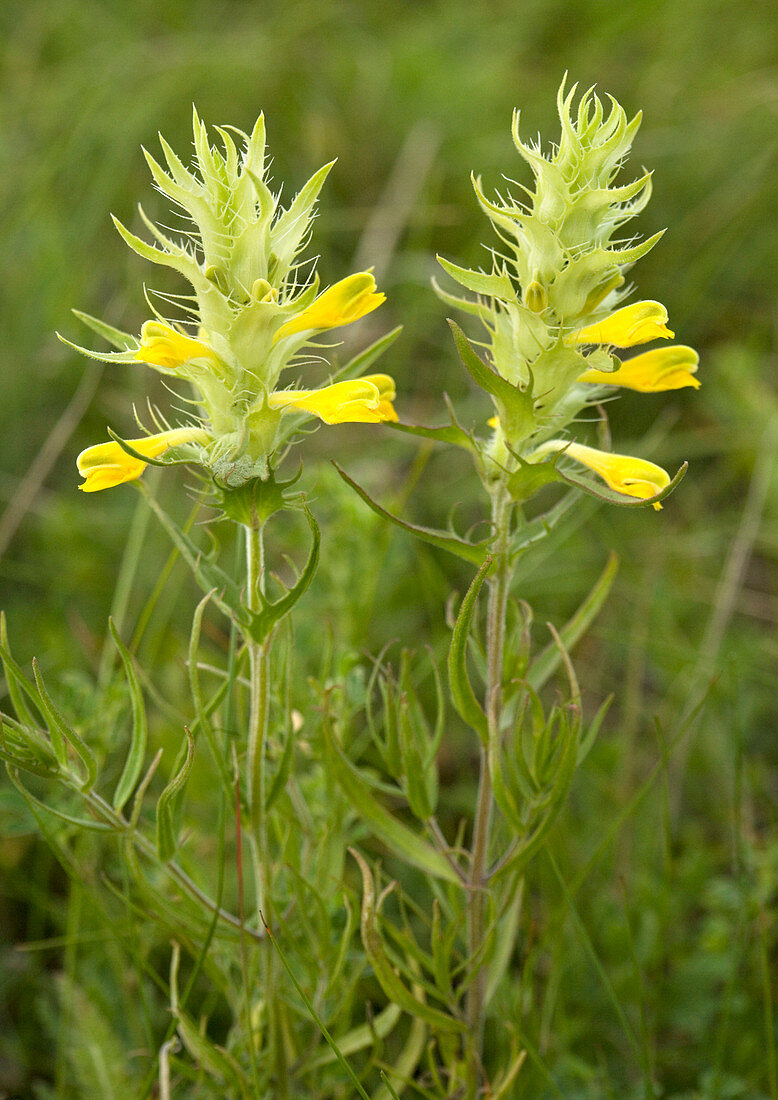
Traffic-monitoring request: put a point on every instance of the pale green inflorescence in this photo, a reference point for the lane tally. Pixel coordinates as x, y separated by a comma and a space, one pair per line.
254, 312
551, 302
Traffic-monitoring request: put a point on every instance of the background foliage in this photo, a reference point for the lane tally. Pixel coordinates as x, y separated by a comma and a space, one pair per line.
675, 891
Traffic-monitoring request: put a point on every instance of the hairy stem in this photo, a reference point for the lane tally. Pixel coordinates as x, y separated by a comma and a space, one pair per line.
258, 718
499, 586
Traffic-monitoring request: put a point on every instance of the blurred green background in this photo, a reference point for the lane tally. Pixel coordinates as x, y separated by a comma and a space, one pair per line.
411, 97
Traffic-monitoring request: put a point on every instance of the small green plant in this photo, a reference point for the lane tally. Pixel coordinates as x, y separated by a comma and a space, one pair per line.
277, 869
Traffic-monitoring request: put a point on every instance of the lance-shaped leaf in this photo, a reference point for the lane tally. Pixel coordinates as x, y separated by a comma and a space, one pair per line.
22, 747
449, 433
134, 762
291, 226
531, 477
496, 285
260, 623
474, 552
87, 823
124, 341
462, 694
166, 831
18, 686
59, 729
360, 363
539, 528
208, 574
516, 406
546, 663
397, 836
388, 978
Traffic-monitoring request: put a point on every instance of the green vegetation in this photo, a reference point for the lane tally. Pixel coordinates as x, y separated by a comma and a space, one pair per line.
648, 942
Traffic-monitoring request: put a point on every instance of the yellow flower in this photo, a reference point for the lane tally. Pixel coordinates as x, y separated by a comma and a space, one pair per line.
653, 371
341, 304
163, 346
635, 477
635, 324
365, 400
107, 464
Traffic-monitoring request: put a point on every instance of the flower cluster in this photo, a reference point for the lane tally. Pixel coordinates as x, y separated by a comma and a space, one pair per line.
552, 303
254, 313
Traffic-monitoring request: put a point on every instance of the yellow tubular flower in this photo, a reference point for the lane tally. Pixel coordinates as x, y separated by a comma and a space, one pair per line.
165, 347
341, 304
635, 477
107, 464
653, 371
635, 324
365, 400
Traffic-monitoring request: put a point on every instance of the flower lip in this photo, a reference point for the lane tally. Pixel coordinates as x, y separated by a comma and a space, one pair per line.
164, 347
627, 474
347, 301
366, 400
634, 324
652, 372
107, 464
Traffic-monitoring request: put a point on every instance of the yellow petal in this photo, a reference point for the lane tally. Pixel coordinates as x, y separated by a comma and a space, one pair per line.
341, 304
653, 371
163, 346
107, 464
635, 477
635, 324
365, 400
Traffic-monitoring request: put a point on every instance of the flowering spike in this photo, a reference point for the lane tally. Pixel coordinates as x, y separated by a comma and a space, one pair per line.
251, 316
555, 307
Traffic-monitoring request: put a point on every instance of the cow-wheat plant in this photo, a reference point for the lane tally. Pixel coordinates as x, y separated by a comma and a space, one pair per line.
284, 886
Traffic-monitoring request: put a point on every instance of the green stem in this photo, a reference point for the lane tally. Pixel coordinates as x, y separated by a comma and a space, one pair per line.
258, 718
259, 663
499, 586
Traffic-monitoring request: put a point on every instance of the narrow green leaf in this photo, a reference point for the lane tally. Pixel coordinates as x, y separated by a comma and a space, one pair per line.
413, 766
284, 769
515, 406
80, 822
180, 261
364, 1035
216, 1061
360, 363
476, 308
290, 227
203, 710
166, 835
337, 1053
397, 836
546, 663
227, 595
388, 979
260, 623
124, 341
496, 285
16, 680
56, 722
474, 552
21, 747
449, 433
134, 762
462, 694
